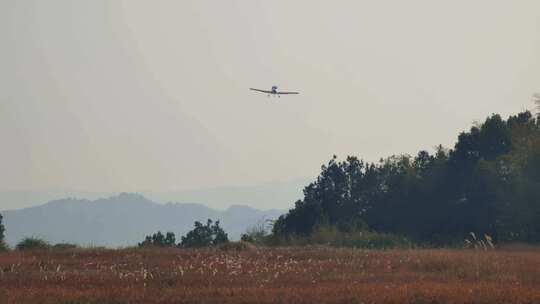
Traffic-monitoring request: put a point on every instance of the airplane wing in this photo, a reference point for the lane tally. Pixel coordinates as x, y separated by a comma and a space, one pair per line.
287, 93
264, 91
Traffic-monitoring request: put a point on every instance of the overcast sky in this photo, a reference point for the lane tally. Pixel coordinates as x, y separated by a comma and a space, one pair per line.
153, 95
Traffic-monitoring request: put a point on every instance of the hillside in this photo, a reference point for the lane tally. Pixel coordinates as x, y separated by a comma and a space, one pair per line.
121, 220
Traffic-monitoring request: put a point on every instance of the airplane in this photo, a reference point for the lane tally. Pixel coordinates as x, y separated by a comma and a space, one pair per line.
273, 91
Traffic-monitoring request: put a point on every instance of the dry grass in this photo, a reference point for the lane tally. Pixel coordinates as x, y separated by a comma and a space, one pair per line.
276, 275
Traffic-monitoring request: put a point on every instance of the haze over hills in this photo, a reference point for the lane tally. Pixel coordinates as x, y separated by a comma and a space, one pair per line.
121, 220
271, 195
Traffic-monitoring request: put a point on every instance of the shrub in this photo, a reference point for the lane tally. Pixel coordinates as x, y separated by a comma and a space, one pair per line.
159, 240
237, 246
2, 230
352, 225
204, 235
332, 236
484, 243
3, 246
64, 246
373, 240
258, 233
32, 243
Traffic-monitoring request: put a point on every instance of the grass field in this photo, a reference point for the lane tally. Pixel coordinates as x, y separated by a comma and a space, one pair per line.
275, 275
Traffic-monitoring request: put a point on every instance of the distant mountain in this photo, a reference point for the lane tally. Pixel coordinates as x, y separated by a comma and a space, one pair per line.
18, 199
121, 220
271, 195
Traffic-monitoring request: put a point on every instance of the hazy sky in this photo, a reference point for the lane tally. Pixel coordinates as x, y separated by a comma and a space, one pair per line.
153, 95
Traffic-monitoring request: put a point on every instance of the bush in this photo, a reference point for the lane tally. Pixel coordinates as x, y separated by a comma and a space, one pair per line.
159, 240
204, 235
32, 243
2, 230
332, 236
258, 233
484, 243
237, 246
373, 240
64, 246
3, 246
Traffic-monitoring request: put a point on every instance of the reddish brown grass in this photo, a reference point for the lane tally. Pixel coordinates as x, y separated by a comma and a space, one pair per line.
277, 275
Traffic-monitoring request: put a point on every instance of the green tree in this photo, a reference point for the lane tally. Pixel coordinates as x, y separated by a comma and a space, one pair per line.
3, 245
159, 240
32, 243
170, 239
2, 229
207, 235
489, 183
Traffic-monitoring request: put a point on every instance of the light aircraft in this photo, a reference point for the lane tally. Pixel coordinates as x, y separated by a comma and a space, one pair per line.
273, 91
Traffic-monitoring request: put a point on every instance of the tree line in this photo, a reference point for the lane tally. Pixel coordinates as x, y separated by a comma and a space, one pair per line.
488, 183
202, 235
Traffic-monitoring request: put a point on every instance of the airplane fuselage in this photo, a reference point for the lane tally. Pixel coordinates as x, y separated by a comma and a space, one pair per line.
273, 91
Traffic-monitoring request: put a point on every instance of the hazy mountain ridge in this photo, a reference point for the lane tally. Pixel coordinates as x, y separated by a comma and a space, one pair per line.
270, 195
121, 220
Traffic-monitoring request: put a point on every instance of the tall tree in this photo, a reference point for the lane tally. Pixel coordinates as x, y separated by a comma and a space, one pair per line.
2, 229
3, 245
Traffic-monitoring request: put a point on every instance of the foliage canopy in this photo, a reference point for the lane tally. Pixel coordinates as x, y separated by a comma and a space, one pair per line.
489, 183
32, 243
159, 240
3, 245
207, 235
2, 229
